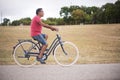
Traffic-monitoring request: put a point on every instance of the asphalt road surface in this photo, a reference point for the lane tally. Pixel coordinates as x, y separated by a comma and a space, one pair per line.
56, 72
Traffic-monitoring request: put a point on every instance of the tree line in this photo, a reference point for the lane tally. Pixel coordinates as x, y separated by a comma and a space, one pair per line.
74, 14
108, 13
22, 21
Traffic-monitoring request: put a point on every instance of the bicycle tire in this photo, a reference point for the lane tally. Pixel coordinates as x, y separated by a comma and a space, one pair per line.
19, 52
61, 58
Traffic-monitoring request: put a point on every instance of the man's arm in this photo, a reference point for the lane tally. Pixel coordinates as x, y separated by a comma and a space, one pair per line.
48, 26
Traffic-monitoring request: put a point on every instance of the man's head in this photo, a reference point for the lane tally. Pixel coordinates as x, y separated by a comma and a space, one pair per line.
40, 12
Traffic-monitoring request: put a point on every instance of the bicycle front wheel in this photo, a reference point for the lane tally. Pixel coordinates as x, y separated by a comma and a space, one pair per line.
67, 54
21, 54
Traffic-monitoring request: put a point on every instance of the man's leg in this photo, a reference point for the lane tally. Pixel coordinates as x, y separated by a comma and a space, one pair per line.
44, 47
42, 39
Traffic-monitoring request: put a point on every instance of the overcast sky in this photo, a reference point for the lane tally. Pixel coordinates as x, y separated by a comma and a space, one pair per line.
16, 9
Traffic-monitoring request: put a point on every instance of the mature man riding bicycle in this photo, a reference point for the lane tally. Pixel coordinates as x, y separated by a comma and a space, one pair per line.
26, 52
36, 32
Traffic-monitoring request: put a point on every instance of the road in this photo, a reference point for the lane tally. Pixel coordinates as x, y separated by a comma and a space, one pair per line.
56, 72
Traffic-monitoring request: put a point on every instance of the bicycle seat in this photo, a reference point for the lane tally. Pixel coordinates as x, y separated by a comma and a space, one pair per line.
34, 39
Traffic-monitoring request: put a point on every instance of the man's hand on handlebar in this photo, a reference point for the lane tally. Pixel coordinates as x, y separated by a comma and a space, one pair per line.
54, 29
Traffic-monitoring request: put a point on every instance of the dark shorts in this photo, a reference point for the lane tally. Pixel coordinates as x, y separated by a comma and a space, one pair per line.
40, 38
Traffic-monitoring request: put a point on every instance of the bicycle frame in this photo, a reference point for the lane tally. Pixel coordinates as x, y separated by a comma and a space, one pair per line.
54, 44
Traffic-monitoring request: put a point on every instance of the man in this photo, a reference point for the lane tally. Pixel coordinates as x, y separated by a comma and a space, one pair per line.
36, 32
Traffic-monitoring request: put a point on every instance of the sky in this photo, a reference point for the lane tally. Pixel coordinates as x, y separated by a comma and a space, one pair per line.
16, 9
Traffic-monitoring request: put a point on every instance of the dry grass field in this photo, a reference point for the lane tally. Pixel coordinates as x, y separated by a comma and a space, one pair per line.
96, 43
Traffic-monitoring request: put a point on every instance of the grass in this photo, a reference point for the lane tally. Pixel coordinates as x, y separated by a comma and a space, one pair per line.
96, 43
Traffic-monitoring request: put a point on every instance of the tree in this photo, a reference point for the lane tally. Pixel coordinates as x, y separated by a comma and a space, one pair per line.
25, 21
60, 21
65, 13
109, 12
54, 21
72, 8
6, 21
99, 17
90, 16
15, 23
91, 10
117, 11
88, 19
78, 15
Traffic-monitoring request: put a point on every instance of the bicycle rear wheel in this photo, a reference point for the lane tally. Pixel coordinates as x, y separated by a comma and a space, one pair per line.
68, 56
21, 54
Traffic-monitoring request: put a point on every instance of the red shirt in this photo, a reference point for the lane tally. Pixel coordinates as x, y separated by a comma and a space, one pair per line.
36, 27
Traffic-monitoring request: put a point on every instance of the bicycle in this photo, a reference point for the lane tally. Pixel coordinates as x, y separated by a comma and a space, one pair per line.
65, 53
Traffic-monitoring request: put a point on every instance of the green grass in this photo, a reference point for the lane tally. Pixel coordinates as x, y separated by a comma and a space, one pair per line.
96, 43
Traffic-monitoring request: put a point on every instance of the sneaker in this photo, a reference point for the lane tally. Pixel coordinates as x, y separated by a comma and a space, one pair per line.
44, 57
41, 60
